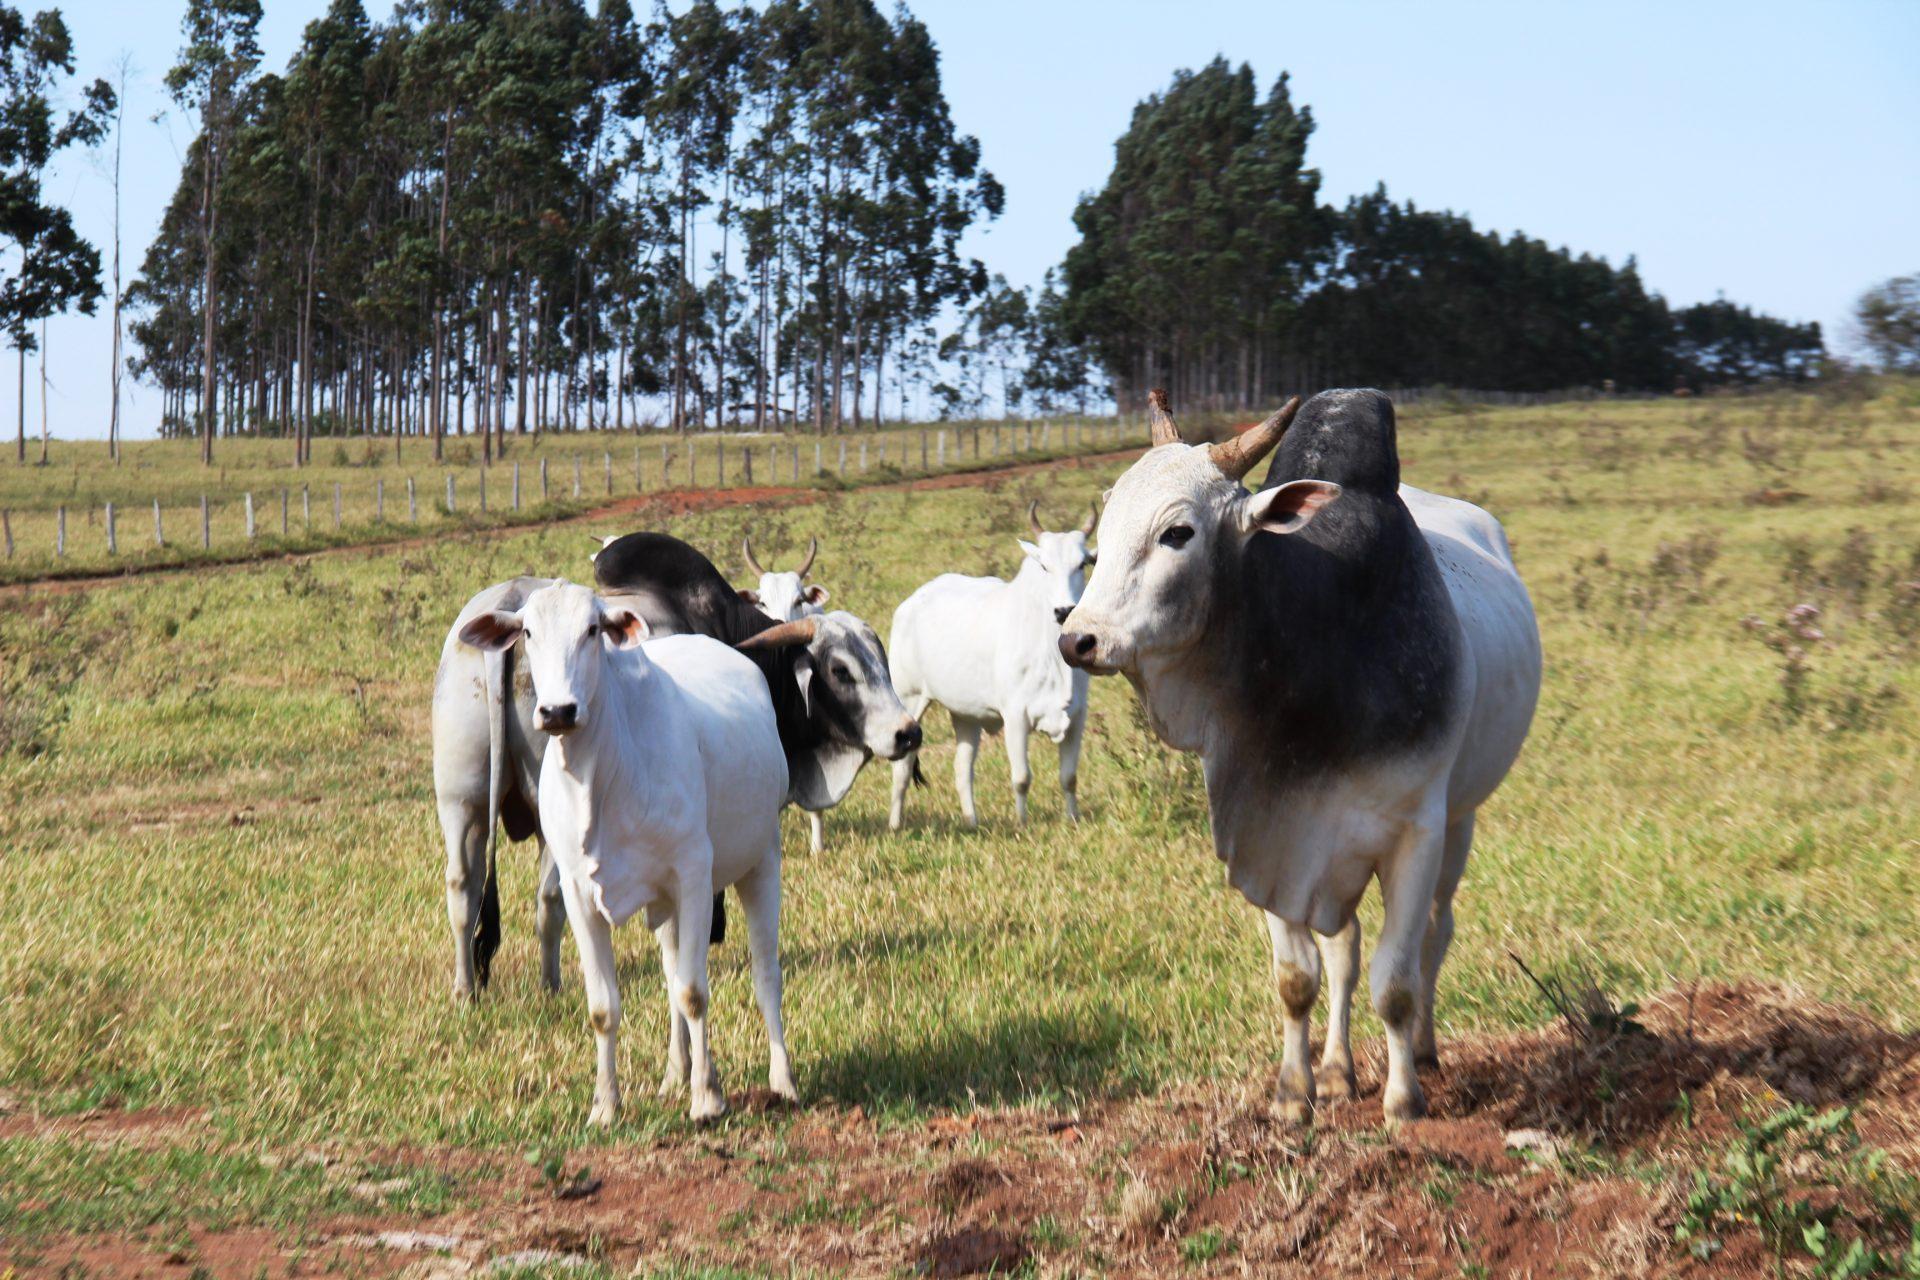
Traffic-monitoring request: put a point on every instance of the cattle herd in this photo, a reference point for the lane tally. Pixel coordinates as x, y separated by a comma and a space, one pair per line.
1355, 661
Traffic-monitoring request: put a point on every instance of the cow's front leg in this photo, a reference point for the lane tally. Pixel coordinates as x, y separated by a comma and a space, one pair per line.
1340, 958
674, 1078
695, 910
816, 833
466, 839
1296, 978
593, 936
1070, 766
966, 748
1407, 883
1017, 731
549, 919
760, 895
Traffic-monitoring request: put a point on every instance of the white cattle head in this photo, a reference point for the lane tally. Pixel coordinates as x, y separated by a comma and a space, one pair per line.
1062, 559
1173, 519
568, 632
784, 596
845, 682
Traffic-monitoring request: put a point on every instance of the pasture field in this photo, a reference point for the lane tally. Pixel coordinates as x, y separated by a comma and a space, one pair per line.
368, 489
226, 1042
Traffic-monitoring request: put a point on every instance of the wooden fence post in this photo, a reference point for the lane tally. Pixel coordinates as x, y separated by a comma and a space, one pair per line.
483, 491
939, 447
720, 464
413, 513
113, 546
449, 493
6, 526
159, 538
816, 458
543, 479
666, 466
379, 500
60, 534
607, 457
247, 501
206, 525
336, 504
747, 464
576, 475
863, 457
283, 511
796, 464
693, 461
516, 484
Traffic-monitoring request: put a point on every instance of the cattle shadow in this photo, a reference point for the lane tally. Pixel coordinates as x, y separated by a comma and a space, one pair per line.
1018, 1059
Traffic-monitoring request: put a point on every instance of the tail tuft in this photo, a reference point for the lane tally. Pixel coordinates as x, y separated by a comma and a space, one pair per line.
919, 778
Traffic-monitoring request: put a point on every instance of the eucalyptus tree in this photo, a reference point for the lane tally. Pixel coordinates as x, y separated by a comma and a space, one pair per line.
57, 269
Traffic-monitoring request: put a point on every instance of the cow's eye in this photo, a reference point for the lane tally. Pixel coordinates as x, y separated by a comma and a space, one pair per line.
841, 673
593, 629
1177, 536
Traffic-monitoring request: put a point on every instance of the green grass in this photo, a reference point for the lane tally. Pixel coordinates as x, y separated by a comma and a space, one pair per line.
294, 507
220, 872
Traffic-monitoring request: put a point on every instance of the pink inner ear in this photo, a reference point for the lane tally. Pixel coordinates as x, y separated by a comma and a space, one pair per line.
625, 626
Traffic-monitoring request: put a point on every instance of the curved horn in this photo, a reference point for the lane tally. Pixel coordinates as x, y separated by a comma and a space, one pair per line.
1033, 516
1239, 455
813, 549
746, 553
1165, 430
1093, 518
782, 635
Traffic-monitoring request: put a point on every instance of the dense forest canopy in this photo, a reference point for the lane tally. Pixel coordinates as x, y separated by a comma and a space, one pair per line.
1207, 263
494, 215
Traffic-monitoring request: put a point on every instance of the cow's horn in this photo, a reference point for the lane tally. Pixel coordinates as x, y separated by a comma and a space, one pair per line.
782, 635
813, 549
1033, 516
746, 553
1165, 430
1093, 518
1241, 454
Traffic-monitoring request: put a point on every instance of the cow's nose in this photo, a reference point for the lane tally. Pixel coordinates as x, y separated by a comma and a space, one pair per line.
907, 739
1077, 648
557, 717
1060, 613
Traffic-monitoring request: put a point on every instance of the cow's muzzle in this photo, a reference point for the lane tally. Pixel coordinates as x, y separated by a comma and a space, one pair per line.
558, 717
906, 740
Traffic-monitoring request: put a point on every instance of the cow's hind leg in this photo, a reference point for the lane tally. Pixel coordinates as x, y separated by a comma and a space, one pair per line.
674, 1078
760, 895
549, 919
690, 996
1433, 953
465, 831
1340, 957
966, 749
1407, 882
1017, 731
594, 938
906, 766
1296, 978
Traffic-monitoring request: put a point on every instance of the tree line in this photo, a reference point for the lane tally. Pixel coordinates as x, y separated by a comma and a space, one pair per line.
1207, 263
502, 214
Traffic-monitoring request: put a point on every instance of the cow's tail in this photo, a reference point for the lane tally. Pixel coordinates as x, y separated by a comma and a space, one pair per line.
486, 938
919, 778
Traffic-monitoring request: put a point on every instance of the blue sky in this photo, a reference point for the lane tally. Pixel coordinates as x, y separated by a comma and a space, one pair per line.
1767, 151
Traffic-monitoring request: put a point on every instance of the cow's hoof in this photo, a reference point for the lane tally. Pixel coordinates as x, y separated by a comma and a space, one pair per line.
1427, 1061
670, 1085
604, 1113
708, 1106
1408, 1105
1336, 1084
1293, 1111
781, 1082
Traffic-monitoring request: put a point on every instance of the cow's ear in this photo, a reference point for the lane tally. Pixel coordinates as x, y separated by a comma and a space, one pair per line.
494, 630
803, 676
1030, 549
624, 628
751, 596
816, 594
1286, 508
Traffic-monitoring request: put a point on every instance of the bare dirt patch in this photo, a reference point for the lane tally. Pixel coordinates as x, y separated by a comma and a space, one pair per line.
1546, 1157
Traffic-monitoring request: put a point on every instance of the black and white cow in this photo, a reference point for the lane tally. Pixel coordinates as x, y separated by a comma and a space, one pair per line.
833, 702
1356, 662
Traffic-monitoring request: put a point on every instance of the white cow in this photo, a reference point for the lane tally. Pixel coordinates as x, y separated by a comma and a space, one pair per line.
1357, 664
661, 785
787, 597
988, 651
